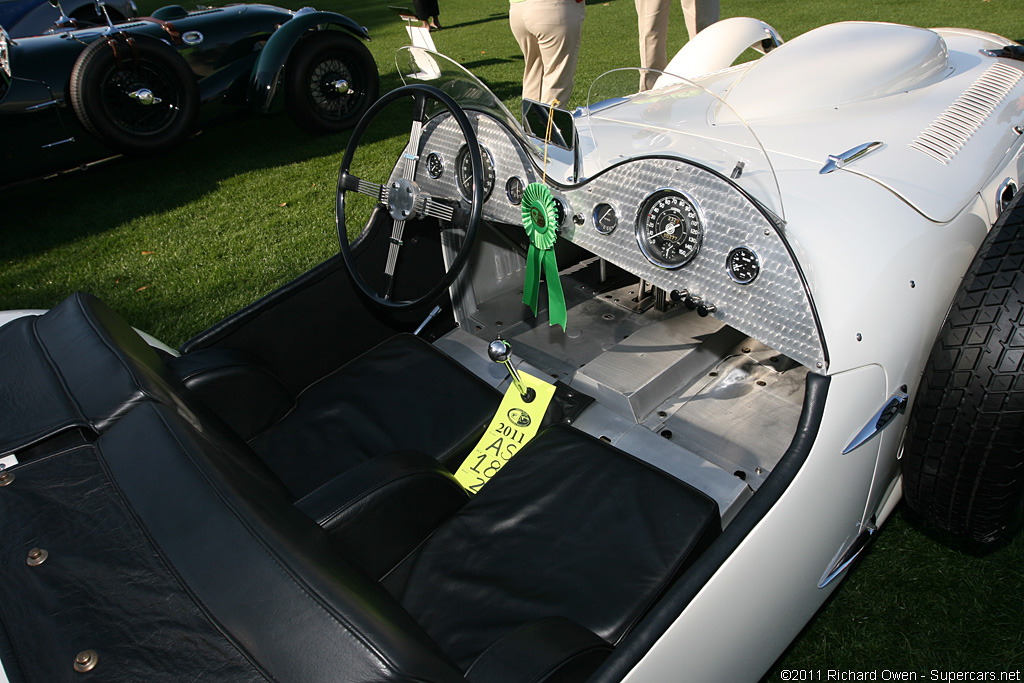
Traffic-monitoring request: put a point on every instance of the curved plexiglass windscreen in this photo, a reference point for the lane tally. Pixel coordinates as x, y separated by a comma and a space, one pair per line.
676, 118
417, 65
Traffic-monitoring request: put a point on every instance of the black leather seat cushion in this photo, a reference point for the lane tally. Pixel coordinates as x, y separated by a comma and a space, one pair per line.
570, 527
403, 394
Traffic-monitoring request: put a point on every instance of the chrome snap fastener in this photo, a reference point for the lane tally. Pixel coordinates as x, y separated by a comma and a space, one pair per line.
6, 478
86, 661
36, 557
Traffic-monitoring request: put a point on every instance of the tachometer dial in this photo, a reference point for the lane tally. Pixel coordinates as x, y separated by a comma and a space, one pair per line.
669, 229
743, 265
464, 172
435, 166
605, 218
514, 190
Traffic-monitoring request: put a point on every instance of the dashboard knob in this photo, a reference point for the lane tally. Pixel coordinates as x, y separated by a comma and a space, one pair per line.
693, 302
704, 309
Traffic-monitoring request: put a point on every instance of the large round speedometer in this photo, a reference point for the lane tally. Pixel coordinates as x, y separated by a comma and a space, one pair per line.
464, 172
669, 229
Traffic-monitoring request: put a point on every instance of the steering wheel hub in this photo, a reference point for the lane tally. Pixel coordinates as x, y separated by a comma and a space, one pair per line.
404, 199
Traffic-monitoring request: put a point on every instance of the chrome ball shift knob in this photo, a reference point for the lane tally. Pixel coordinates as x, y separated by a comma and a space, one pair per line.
499, 351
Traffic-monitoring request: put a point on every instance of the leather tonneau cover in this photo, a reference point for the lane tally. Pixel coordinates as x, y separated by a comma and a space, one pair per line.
34, 401
102, 587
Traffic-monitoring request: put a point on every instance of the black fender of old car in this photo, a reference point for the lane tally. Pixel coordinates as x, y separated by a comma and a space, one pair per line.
266, 75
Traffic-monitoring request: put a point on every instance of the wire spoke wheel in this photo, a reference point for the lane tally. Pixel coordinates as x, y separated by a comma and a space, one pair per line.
330, 82
139, 114
135, 93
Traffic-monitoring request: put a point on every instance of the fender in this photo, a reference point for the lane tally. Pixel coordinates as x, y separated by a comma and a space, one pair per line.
266, 73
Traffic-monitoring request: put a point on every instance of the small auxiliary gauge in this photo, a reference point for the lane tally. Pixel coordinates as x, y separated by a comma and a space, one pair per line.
435, 166
514, 190
605, 218
743, 265
559, 212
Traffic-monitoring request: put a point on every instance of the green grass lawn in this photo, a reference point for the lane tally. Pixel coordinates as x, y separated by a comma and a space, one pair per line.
175, 243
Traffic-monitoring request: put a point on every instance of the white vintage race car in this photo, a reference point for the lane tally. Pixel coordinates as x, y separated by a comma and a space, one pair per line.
743, 312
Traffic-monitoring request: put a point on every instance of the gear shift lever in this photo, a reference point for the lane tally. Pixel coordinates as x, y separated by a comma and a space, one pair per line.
500, 351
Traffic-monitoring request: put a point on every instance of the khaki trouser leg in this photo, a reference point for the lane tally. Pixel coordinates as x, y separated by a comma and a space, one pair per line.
699, 14
533, 68
549, 34
652, 26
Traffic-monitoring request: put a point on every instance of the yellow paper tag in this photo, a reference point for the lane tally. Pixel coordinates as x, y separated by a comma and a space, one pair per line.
515, 423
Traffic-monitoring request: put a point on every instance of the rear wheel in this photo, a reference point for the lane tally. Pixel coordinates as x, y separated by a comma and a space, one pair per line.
963, 463
134, 93
330, 82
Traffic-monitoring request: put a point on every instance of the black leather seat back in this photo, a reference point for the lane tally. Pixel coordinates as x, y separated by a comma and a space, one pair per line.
404, 394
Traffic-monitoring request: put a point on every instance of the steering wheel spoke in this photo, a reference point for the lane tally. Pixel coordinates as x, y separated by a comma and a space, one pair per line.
433, 208
404, 200
373, 190
348, 182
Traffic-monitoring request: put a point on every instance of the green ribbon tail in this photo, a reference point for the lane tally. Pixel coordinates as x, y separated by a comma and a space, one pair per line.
556, 298
531, 285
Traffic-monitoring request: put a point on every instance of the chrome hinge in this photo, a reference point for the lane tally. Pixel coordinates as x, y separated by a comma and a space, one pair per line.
897, 405
837, 161
846, 558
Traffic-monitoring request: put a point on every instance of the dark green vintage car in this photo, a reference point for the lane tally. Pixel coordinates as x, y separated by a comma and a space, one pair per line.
142, 86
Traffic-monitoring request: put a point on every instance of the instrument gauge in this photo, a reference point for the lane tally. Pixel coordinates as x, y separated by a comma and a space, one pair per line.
743, 265
559, 212
464, 172
514, 189
669, 228
605, 218
435, 166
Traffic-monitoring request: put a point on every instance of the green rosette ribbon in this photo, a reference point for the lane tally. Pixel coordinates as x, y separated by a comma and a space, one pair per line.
539, 221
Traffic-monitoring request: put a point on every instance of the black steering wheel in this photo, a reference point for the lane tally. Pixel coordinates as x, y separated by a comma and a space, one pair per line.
403, 199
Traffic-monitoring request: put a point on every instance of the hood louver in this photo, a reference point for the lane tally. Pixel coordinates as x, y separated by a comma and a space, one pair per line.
953, 128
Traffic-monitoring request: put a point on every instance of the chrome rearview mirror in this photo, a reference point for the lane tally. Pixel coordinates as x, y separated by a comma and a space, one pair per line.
537, 116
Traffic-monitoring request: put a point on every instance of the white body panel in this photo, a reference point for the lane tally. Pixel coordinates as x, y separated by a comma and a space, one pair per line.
775, 571
882, 243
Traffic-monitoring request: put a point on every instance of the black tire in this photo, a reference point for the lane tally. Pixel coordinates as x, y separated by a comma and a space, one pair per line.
316, 64
106, 82
963, 460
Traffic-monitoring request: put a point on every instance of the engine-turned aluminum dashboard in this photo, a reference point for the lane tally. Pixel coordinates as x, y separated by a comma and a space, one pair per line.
743, 271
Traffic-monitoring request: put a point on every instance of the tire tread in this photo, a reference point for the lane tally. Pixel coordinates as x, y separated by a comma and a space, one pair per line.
963, 462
